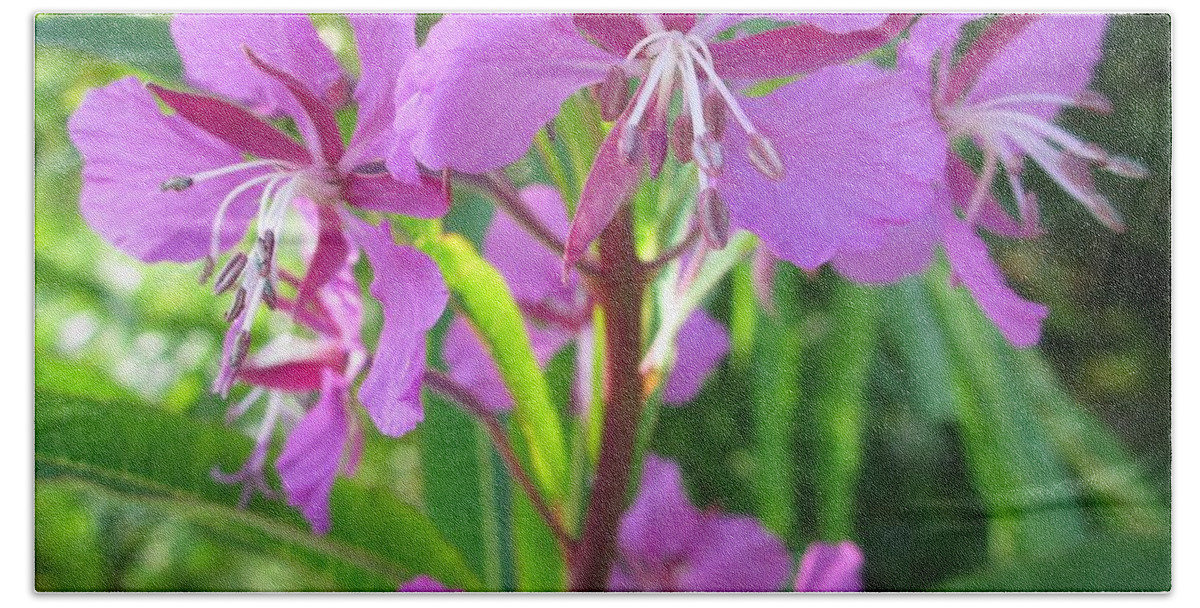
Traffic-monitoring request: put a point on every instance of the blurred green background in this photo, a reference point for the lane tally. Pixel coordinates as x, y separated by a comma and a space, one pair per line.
895, 416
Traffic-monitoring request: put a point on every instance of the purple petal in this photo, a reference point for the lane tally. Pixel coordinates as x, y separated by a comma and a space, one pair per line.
486, 84
616, 32
315, 119
423, 197
533, 272
469, 364
385, 42
906, 250
413, 295
609, 185
843, 23
798, 49
424, 584
826, 567
661, 524
735, 553
929, 35
129, 150
1019, 320
701, 345
313, 453
1054, 54
329, 258
234, 126
860, 151
992, 216
211, 47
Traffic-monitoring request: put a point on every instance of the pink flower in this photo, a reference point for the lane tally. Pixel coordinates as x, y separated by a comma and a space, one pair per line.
815, 167
666, 544
1003, 94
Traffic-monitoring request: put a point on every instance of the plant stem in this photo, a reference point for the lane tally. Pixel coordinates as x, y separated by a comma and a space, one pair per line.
451, 389
619, 288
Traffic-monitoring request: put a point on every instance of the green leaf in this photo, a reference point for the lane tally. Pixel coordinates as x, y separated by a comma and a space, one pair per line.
488, 304
1031, 499
1117, 563
837, 406
151, 457
143, 42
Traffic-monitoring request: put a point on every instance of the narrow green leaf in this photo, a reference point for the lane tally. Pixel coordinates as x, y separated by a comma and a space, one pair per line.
775, 378
491, 309
161, 459
143, 42
453, 477
1031, 499
539, 563
837, 406
1121, 495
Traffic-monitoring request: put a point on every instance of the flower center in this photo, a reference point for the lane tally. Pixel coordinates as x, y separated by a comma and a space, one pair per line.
280, 187
1000, 128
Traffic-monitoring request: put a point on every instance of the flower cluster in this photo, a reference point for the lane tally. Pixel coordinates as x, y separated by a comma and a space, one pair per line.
790, 132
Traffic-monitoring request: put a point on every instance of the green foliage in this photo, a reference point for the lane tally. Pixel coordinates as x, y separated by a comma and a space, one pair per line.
162, 461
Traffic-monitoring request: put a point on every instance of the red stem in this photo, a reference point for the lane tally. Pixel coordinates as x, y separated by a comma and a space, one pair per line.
619, 286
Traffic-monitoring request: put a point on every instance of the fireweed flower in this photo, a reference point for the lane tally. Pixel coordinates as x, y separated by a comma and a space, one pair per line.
187, 186
666, 544
180, 187
813, 167
560, 312
1003, 95
827, 567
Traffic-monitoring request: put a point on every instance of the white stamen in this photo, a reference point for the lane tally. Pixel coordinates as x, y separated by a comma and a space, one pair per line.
215, 243
206, 175
242, 406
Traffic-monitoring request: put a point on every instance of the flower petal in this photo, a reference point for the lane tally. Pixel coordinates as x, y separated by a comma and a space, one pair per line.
211, 47
735, 553
130, 149
609, 186
618, 33
1018, 319
700, 347
1055, 54
907, 249
313, 453
661, 524
423, 197
532, 271
424, 584
385, 42
468, 364
826, 567
413, 295
486, 83
860, 152
234, 126
329, 258
798, 49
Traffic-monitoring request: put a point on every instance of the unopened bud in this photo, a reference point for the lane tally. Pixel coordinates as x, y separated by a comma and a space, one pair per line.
764, 157
614, 94
714, 114
178, 183
230, 273
239, 304
209, 266
714, 218
1094, 101
681, 138
708, 155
